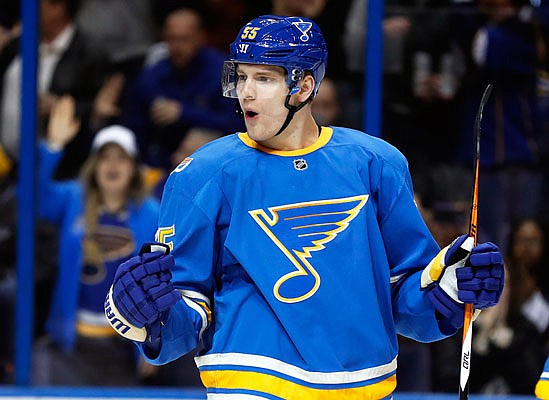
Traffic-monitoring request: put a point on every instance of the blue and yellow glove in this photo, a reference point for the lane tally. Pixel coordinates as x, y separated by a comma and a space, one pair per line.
463, 273
142, 294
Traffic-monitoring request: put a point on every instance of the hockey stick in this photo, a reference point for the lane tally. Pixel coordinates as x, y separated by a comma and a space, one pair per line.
468, 317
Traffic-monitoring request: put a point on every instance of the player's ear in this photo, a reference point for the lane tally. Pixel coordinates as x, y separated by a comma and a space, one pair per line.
306, 87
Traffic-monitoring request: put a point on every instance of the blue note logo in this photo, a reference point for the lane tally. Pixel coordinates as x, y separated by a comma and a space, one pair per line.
298, 230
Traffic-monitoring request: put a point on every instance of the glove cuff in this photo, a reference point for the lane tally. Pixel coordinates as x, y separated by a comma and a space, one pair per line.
121, 324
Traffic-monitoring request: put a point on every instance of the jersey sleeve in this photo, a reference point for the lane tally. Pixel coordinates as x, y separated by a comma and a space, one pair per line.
53, 195
410, 246
188, 224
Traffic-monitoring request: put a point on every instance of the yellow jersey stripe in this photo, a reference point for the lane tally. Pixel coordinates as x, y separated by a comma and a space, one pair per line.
542, 390
273, 385
206, 310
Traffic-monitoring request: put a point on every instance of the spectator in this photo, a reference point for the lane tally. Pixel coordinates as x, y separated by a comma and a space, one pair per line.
420, 112
69, 63
503, 51
193, 140
8, 33
9, 16
104, 218
127, 30
527, 262
326, 109
178, 92
310, 9
509, 343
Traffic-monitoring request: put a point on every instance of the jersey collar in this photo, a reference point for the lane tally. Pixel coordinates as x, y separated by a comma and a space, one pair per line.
323, 139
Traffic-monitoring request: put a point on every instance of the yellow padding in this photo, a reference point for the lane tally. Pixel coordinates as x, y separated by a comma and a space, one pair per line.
542, 390
276, 386
436, 266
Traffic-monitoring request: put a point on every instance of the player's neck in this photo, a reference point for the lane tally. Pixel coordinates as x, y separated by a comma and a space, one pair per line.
302, 132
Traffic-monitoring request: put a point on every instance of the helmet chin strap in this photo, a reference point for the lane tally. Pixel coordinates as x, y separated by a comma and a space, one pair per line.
292, 109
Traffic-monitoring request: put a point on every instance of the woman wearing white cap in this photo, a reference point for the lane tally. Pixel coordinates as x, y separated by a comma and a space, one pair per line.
104, 217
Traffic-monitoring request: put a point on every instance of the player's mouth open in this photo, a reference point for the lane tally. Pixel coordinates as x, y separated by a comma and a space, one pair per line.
251, 114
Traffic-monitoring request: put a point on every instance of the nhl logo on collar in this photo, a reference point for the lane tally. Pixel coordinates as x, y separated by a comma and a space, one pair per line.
300, 164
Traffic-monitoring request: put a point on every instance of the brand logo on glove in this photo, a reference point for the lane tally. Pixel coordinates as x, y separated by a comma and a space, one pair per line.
121, 327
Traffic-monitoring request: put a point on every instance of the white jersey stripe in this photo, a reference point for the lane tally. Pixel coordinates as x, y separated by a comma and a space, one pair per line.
200, 311
195, 295
395, 279
255, 361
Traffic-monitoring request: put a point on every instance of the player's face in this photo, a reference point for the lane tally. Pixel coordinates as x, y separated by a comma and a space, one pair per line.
262, 91
115, 169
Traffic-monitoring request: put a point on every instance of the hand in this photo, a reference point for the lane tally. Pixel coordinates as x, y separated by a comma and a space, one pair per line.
6, 35
396, 26
106, 102
142, 294
165, 112
460, 274
62, 125
46, 102
480, 281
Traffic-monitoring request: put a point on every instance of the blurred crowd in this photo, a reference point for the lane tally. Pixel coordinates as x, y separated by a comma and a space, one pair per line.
144, 76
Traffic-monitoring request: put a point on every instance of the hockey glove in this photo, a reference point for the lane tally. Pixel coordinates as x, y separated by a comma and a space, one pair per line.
142, 294
460, 274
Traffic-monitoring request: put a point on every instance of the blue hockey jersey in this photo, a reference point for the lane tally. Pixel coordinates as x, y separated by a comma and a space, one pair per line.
297, 268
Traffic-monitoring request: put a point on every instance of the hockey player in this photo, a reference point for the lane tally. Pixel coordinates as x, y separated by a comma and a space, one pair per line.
296, 251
